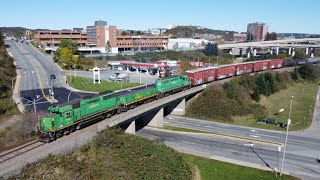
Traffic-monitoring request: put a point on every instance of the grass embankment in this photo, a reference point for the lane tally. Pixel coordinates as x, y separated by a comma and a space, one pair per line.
7, 75
22, 131
213, 169
302, 105
113, 155
245, 99
86, 84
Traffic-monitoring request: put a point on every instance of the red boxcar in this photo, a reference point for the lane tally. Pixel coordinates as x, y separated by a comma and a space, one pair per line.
201, 75
275, 63
261, 65
196, 77
210, 74
244, 68
226, 71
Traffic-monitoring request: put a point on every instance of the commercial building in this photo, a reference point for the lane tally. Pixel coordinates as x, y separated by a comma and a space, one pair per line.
257, 31
100, 35
235, 37
53, 37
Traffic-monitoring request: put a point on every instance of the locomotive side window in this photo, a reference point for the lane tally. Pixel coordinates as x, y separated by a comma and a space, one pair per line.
68, 114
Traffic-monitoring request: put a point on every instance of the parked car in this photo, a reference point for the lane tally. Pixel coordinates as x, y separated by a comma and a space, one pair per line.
271, 121
280, 124
261, 121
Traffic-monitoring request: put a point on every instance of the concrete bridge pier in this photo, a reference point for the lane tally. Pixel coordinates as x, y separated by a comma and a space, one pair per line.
289, 50
277, 50
271, 50
157, 120
131, 128
307, 51
231, 51
180, 110
254, 52
293, 52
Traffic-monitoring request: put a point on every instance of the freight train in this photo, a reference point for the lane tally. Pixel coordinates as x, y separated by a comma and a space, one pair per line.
64, 119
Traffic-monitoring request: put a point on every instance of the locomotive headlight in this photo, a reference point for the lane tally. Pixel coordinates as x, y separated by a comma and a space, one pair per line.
52, 119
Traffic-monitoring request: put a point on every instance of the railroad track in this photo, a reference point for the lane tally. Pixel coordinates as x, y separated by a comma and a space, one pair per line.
6, 155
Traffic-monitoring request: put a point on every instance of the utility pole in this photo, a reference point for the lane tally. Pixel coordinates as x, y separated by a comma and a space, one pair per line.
285, 144
140, 72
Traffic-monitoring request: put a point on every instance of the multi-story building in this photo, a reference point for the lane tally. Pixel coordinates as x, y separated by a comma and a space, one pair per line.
235, 37
100, 35
257, 31
103, 37
54, 37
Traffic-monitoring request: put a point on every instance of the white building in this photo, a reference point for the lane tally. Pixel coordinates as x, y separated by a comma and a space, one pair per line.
186, 44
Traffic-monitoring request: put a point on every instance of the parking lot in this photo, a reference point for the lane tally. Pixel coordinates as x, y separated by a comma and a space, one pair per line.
146, 78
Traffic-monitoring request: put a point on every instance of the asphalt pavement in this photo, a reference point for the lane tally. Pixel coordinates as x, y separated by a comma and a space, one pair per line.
36, 69
235, 151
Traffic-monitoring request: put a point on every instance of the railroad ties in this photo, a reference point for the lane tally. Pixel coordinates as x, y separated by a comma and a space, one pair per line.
9, 154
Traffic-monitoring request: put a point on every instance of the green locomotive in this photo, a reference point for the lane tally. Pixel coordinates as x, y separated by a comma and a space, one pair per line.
65, 119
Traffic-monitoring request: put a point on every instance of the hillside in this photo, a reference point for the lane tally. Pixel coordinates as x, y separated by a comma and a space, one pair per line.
15, 31
113, 155
7, 73
195, 32
245, 99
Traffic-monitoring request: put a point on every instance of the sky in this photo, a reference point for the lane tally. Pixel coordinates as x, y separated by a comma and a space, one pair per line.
292, 16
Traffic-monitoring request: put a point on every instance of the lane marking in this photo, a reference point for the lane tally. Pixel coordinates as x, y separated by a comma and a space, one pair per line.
254, 136
40, 84
316, 166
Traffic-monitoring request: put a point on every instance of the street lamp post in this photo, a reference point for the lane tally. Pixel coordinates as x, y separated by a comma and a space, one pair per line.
140, 73
285, 143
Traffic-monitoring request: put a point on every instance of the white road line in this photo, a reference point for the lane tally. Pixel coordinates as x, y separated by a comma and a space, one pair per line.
316, 166
254, 136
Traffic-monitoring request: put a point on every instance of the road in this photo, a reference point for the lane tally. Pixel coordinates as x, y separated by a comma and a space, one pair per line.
233, 151
36, 69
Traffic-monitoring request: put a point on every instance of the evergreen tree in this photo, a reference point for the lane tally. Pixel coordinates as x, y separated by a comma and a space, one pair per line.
262, 85
1, 39
270, 81
307, 71
295, 74
211, 49
256, 95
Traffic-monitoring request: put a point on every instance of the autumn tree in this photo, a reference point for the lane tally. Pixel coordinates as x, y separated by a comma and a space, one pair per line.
66, 56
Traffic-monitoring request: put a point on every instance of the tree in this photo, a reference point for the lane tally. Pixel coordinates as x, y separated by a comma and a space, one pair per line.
256, 95
300, 54
124, 33
262, 85
295, 74
1, 40
271, 36
211, 49
307, 71
270, 82
66, 56
66, 43
57, 55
